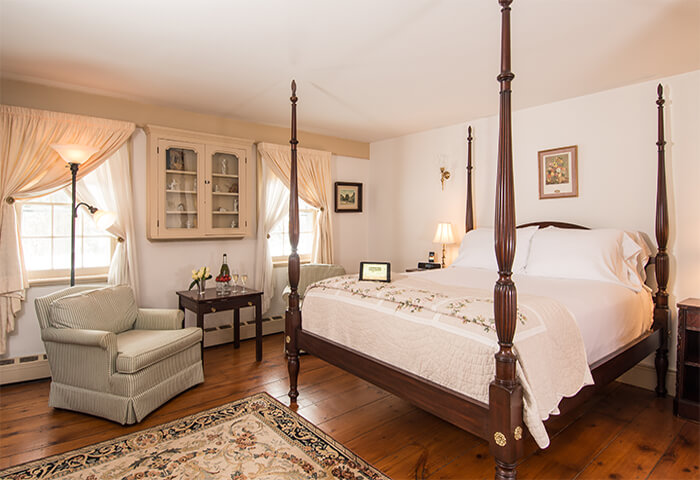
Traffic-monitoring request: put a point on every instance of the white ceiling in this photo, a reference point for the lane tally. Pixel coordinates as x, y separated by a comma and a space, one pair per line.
366, 69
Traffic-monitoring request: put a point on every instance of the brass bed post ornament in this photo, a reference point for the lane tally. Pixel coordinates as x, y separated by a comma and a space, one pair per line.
292, 320
662, 314
505, 392
470, 209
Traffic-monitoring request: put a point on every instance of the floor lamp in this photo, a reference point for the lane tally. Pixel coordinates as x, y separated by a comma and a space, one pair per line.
74, 155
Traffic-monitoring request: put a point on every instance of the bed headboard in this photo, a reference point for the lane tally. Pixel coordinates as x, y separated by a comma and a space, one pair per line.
546, 224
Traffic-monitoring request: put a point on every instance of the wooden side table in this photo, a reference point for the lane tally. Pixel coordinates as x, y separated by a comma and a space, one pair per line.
210, 302
687, 401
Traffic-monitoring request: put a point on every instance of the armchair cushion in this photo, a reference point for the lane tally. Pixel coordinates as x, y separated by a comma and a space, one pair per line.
110, 309
138, 349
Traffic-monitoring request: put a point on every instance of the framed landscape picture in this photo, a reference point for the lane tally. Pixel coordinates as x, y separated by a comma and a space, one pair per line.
348, 197
558, 171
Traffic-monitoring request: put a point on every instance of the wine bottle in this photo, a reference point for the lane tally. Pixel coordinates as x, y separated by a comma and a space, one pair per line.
225, 271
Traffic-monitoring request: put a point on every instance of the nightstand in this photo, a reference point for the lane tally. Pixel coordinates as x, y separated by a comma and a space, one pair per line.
687, 401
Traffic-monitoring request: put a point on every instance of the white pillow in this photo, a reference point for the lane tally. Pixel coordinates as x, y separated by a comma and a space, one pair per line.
642, 258
604, 255
478, 251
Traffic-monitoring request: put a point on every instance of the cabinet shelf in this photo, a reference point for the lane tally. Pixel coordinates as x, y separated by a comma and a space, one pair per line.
180, 212
225, 194
182, 172
224, 213
188, 192
224, 175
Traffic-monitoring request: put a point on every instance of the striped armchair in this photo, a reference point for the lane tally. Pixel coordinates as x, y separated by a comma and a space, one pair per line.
110, 358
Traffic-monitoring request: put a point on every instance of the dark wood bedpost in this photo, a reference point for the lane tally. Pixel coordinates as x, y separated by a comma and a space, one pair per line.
662, 314
292, 320
505, 392
470, 201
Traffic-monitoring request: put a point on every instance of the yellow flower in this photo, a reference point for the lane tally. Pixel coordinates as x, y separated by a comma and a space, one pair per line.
201, 272
194, 276
194, 272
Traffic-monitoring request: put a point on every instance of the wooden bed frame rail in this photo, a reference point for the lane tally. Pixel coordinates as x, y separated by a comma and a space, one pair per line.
500, 422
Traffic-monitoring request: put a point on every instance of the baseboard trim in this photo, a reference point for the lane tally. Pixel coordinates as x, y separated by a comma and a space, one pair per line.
24, 371
644, 376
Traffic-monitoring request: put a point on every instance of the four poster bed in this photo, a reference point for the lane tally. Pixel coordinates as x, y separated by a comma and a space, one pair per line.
511, 391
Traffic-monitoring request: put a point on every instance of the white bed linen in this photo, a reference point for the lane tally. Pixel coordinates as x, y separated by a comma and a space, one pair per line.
609, 316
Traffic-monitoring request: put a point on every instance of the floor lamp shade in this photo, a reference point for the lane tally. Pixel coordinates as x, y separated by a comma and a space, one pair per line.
74, 153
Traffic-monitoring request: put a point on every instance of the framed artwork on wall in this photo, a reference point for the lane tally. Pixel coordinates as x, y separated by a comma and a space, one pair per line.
348, 197
558, 172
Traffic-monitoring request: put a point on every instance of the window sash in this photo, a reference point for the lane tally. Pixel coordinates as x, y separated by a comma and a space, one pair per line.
80, 236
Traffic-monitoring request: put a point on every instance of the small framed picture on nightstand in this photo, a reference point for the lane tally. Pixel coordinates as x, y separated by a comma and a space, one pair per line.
375, 271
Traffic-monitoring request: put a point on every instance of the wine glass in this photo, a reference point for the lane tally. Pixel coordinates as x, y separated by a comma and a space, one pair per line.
234, 277
244, 279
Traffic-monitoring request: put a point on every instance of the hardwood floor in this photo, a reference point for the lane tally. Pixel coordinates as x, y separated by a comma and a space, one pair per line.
626, 432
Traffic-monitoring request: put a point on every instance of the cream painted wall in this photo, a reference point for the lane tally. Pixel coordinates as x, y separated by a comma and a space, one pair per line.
615, 132
165, 266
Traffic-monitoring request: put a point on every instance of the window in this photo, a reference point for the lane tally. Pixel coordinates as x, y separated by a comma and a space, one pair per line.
279, 235
45, 233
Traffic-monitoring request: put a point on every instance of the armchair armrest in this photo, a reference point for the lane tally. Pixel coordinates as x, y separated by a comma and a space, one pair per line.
75, 336
159, 319
81, 358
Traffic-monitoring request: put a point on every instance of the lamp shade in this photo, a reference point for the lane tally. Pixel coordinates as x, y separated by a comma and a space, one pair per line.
444, 233
72, 153
104, 219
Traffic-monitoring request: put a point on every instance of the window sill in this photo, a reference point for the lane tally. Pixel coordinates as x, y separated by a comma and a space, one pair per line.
83, 279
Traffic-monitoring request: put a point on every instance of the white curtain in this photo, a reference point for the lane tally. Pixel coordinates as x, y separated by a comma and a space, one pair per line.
315, 188
29, 168
109, 188
273, 206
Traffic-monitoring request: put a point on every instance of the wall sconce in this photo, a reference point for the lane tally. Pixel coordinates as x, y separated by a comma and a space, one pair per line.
444, 175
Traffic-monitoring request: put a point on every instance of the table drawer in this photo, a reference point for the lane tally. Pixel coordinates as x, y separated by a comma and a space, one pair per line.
692, 319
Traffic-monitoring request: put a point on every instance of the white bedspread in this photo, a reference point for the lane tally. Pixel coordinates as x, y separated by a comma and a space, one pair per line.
609, 316
439, 325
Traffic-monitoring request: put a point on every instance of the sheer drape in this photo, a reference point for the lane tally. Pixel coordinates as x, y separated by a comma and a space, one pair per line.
29, 168
315, 188
109, 188
273, 205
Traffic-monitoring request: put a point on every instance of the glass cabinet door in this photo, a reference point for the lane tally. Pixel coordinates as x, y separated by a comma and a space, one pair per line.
225, 189
181, 179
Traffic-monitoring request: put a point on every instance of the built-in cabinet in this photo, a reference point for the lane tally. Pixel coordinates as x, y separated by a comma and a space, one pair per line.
198, 185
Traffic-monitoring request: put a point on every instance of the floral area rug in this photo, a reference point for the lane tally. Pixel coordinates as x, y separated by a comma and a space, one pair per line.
253, 438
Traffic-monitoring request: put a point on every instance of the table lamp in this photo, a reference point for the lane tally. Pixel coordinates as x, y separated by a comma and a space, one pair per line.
444, 235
